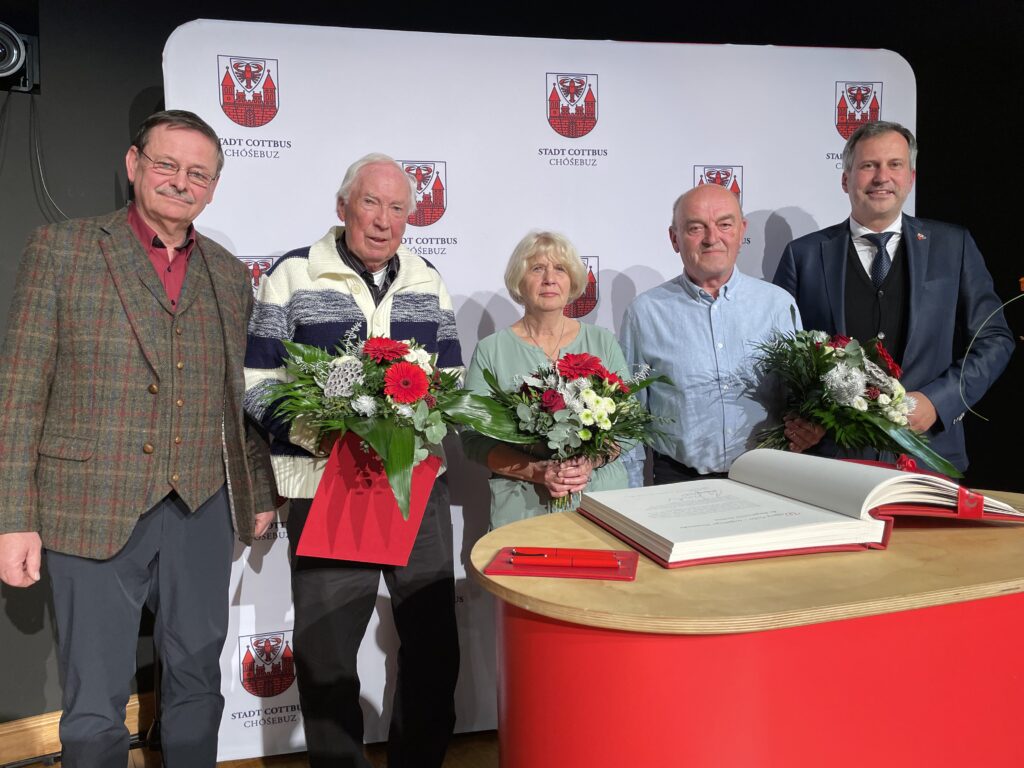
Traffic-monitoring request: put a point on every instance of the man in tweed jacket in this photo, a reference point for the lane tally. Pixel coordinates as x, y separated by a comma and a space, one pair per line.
124, 453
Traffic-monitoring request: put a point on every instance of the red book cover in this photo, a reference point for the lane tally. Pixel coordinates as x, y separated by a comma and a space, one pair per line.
354, 515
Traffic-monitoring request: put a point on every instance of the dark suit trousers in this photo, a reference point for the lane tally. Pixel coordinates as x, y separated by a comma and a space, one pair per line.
179, 564
334, 600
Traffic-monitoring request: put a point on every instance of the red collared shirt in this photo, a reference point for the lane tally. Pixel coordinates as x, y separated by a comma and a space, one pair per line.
171, 271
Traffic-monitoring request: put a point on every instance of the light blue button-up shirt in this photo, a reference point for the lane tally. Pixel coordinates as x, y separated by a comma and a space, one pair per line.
707, 347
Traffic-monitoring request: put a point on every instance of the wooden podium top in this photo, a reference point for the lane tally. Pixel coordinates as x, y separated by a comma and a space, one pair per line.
928, 562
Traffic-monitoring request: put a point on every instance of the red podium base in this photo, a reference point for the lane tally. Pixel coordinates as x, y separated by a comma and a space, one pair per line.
940, 687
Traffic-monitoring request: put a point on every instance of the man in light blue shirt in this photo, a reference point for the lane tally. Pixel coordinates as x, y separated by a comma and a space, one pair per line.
701, 329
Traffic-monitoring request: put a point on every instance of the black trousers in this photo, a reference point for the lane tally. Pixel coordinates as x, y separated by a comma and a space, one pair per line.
665, 469
180, 565
334, 600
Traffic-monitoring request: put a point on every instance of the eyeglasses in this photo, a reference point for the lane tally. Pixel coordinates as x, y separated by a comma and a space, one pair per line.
167, 168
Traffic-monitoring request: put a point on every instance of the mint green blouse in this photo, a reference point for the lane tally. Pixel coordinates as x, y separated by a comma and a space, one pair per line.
507, 356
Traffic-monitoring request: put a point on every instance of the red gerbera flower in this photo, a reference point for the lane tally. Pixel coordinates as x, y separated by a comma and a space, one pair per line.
405, 382
380, 349
612, 378
579, 366
894, 369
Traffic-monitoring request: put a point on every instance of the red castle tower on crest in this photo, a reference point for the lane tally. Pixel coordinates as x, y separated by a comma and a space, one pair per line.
264, 680
430, 207
252, 110
587, 301
858, 105
572, 121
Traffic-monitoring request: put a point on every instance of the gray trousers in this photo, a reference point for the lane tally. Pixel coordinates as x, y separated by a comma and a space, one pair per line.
178, 564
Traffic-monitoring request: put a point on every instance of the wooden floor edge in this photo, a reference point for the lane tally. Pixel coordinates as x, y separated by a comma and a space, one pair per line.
37, 736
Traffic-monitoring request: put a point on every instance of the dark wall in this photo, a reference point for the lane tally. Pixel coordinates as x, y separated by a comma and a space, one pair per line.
101, 73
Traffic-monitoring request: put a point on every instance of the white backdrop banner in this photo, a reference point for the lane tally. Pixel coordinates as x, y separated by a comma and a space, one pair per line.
504, 135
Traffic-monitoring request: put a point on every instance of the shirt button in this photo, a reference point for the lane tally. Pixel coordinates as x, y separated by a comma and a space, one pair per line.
179, 402
720, 345
147, 448
180, 365
357, 289
177, 440
175, 477
178, 331
153, 389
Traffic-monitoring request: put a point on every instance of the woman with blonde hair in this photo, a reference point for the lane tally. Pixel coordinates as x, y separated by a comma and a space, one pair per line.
544, 274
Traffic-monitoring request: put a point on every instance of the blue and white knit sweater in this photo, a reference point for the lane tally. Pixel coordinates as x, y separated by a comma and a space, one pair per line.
312, 297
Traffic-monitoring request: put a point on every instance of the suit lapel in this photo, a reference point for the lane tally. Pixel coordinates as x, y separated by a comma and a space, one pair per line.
833, 266
916, 248
122, 253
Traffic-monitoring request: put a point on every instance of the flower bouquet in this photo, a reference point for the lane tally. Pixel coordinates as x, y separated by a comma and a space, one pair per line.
389, 393
851, 389
577, 408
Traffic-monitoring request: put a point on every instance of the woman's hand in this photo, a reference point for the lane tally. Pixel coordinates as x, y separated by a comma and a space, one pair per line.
570, 476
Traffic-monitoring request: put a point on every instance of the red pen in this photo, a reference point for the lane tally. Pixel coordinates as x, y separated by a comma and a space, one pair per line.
560, 552
565, 561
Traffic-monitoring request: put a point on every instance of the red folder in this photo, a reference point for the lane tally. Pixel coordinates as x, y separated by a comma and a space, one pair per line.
501, 566
354, 515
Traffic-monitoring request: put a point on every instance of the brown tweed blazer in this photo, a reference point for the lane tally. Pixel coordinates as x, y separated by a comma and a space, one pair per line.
74, 371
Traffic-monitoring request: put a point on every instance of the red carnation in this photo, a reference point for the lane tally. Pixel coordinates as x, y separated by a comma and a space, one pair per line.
380, 349
614, 380
552, 401
839, 341
405, 382
579, 366
894, 370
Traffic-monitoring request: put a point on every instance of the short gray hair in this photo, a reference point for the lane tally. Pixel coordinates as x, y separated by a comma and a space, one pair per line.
870, 131
554, 246
374, 158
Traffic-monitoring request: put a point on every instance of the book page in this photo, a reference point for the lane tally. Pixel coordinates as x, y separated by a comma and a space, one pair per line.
709, 517
840, 486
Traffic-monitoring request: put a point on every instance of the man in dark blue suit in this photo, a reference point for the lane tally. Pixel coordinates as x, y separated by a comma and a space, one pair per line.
922, 285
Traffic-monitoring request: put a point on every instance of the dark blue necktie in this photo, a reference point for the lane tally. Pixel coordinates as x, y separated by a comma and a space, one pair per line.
881, 263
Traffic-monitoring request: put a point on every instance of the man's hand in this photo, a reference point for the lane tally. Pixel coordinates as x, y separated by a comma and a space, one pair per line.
569, 476
262, 522
20, 557
923, 416
802, 434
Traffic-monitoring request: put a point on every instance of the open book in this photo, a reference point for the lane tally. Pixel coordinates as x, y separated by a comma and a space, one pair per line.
780, 503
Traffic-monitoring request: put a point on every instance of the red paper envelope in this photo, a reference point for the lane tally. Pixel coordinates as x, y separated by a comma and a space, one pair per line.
354, 515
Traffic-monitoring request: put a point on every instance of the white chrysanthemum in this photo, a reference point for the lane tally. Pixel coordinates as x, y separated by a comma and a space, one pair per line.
404, 409
608, 404
587, 417
574, 404
589, 397
604, 422
347, 373
420, 357
844, 384
819, 337
364, 405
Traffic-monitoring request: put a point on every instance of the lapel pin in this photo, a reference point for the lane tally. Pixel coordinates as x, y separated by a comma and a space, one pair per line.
921, 236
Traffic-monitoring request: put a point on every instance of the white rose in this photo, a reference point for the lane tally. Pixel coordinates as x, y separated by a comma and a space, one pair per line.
860, 403
884, 399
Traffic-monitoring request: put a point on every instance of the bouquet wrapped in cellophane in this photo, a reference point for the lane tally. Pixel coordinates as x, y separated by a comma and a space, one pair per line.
851, 389
388, 392
576, 407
